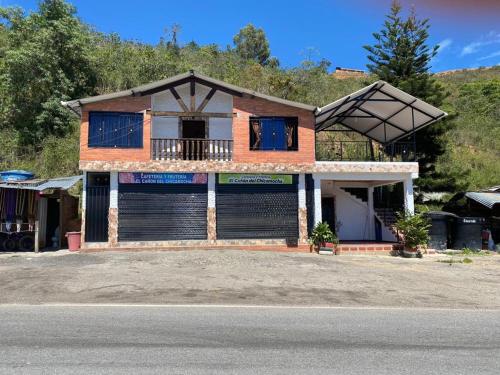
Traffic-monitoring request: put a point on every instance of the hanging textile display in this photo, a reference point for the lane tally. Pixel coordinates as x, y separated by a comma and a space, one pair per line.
20, 204
32, 200
10, 207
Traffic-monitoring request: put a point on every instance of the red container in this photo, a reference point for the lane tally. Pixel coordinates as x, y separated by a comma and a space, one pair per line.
74, 240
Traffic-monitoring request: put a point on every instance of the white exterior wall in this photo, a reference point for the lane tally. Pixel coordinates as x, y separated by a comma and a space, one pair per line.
351, 213
168, 127
165, 127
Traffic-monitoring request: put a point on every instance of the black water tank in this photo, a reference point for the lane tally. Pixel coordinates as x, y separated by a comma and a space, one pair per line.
467, 232
441, 229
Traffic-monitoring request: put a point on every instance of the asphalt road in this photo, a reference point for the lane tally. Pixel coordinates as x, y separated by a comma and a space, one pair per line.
246, 340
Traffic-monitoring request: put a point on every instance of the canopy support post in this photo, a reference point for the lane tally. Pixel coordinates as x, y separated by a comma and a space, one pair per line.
414, 137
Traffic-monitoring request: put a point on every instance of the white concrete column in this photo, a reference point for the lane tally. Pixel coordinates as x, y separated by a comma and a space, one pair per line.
84, 192
211, 190
317, 200
371, 215
113, 189
408, 191
302, 190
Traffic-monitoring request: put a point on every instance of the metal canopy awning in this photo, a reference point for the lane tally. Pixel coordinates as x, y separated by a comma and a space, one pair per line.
63, 183
380, 112
486, 199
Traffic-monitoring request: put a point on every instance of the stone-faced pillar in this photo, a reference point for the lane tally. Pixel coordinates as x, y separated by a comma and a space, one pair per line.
211, 216
113, 210
302, 214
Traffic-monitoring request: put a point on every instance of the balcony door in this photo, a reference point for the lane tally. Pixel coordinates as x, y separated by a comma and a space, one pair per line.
193, 129
194, 146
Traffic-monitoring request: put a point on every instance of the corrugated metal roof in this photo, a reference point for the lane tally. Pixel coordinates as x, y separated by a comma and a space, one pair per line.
486, 199
139, 90
379, 111
63, 183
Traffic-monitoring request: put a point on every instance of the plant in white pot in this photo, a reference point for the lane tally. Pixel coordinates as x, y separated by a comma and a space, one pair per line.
414, 230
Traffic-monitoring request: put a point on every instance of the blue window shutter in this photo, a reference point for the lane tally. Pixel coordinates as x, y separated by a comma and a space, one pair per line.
273, 134
115, 129
279, 134
267, 133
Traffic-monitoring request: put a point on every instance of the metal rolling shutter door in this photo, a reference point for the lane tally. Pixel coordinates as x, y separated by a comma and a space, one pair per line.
257, 211
162, 212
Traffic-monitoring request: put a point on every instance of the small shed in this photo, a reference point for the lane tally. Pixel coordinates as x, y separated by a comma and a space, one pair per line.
441, 230
484, 204
36, 213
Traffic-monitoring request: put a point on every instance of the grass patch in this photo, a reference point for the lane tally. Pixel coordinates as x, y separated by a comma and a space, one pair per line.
451, 260
469, 252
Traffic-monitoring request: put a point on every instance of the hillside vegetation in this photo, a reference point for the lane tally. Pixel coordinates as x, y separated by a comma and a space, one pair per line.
38, 69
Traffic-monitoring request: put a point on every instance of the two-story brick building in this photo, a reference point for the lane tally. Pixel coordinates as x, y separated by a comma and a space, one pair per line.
193, 161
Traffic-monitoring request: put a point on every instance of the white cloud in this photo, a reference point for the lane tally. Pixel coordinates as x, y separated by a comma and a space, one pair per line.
492, 37
444, 44
490, 56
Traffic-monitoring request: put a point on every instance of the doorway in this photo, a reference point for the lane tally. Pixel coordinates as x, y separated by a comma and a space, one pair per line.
328, 211
52, 234
194, 146
97, 207
193, 129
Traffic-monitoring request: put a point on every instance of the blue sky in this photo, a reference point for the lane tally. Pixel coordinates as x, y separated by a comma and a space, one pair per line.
332, 29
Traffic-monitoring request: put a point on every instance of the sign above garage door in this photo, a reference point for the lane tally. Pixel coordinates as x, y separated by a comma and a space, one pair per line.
162, 178
261, 179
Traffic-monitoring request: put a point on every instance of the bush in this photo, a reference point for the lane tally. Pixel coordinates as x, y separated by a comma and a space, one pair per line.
321, 234
414, 229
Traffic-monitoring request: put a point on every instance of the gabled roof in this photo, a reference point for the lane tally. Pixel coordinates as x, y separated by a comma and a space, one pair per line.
379, 111
178, 80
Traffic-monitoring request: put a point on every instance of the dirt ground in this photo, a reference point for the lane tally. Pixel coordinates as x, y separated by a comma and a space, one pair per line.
244, 277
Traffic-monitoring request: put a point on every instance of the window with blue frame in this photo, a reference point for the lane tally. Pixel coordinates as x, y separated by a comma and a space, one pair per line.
273, 133
115, 129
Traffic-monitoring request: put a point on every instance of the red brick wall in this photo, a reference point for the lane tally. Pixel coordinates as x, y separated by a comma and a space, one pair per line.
246, 108
127, 104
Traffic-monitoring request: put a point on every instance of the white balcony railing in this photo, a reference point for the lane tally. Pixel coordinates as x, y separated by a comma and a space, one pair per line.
191, 149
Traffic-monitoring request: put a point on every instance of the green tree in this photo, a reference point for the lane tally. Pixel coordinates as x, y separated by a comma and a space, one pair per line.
46, 59
401, 56
251, 44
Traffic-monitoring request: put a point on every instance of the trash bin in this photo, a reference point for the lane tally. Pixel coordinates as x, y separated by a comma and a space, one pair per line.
441, 229
467, 233
74, 240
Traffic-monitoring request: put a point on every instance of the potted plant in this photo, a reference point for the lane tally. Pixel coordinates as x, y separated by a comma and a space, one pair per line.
414, 230
321, 235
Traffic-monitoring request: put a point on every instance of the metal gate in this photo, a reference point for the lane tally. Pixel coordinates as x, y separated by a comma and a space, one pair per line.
96, 213
162, 212
257, 211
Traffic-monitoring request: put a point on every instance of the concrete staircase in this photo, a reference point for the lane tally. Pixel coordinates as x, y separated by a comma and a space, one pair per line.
388, 217
385, 216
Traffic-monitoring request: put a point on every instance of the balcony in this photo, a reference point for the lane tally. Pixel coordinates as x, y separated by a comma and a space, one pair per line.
329, 150
191, 149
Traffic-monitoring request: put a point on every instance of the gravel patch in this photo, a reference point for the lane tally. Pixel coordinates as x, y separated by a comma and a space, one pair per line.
246, 277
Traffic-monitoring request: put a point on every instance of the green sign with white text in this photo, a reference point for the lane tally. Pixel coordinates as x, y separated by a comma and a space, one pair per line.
269, 179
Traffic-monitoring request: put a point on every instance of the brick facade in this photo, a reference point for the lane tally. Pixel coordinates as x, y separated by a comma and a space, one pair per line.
244, 107
248, 107
128, 104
